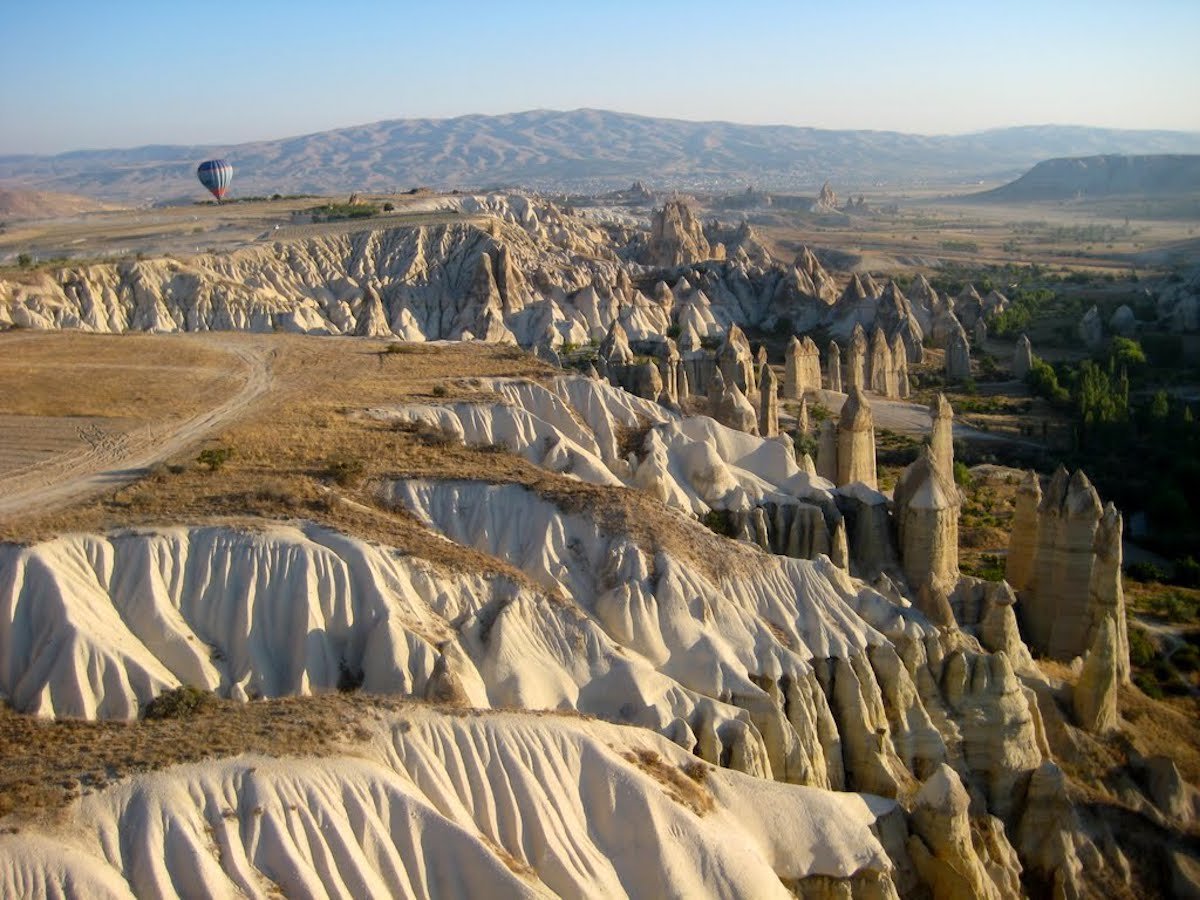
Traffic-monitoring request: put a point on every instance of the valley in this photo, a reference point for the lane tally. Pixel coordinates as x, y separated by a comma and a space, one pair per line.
521, 544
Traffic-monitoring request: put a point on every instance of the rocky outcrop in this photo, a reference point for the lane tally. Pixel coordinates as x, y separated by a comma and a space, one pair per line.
1095, 694
856, 361
958, 355
943, 845
896, 316
1049, 835
1123, 321
941, 440
1023, 533
736, 411
1075, 584
676, 237
926, 514
802, 368
968, 306
736, 362
1091, 329
768, 402
856, 441
1106, 595
900, 366
833, 366
980, 333
1022, 360
881, 377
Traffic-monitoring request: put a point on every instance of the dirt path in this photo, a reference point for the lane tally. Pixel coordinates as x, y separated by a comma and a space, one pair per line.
113, 460
913, 418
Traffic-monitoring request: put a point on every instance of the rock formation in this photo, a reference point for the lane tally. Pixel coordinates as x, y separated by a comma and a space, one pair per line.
735, 411
856, 442
1091, 329
958, 355
1058, 612
927, 508
802, 369
943, 849
980, 333
1023, 533
1022, 358
1095, 693
768, 402
968, 306
896, 316
1123, 321
676, 237
1106, 596
736, 362
881, 371
900, 365
834, 367
856, 361
802, 418
941, 440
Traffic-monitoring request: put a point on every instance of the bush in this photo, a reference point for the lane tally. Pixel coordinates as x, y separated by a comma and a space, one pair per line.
719, 521
1043, 381
215, 458
180, 703
962, 474
344, 470
24, 260
389, 207
1144, 571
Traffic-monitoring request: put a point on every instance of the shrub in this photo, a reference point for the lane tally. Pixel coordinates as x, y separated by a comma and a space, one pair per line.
215, 458
24, 260
439, 390
962, 474
719, 521
389, 207
344, 470
1043, 381
180, 703
1144, 571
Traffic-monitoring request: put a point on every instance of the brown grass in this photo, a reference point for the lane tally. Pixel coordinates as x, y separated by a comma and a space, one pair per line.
45, 764
683, 785
132, 376
308, 452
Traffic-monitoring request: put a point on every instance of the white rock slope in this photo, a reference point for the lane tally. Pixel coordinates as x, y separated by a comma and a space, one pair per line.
437, 806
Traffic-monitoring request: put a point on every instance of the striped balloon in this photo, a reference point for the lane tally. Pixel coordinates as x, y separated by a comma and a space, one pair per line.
215, 174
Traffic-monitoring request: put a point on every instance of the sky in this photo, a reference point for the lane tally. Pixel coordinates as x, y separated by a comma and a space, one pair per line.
126, 73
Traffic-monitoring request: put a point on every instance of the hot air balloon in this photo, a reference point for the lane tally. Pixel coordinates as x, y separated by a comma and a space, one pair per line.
215, 174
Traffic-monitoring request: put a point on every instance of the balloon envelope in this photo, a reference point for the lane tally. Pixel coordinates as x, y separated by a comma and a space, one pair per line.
215, 174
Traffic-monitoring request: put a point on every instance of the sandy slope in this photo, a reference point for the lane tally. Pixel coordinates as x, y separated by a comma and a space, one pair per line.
111, 463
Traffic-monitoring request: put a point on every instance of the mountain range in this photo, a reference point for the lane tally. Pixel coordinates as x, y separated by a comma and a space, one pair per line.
579, 150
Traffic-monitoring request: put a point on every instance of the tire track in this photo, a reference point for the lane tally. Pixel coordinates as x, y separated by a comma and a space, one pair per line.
110, 462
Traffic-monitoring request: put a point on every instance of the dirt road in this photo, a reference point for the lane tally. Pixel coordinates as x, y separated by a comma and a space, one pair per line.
112, 460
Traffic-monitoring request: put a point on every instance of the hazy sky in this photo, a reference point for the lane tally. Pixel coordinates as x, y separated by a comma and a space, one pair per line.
122, 74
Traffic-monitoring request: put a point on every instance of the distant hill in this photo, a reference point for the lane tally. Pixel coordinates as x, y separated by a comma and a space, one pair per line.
1103, 177
581, 150
24, 204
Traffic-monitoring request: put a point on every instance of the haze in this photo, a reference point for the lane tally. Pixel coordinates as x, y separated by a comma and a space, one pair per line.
81, 75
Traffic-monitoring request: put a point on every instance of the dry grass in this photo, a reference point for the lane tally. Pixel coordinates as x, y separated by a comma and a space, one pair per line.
45, 764
132, 376
307, 451
683, 785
